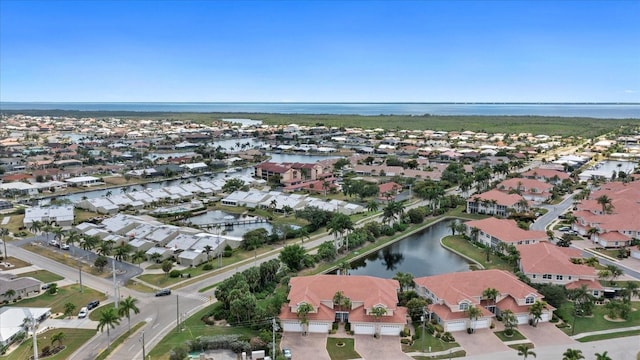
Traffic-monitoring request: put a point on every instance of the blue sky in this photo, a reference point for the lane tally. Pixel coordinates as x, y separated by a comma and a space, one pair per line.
312, 51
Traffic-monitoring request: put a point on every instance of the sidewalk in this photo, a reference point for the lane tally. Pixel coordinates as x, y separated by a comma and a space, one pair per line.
580, 336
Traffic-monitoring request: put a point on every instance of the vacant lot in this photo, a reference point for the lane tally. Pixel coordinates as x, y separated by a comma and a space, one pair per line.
42, 275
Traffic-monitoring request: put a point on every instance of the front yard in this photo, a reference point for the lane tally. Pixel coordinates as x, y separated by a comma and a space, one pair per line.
42, 275
342, 349
596, 322
65, 294
73, 339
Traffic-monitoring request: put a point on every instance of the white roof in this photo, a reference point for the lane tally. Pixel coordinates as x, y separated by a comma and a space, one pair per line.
54, 213
16, 186
12, 319
81, 179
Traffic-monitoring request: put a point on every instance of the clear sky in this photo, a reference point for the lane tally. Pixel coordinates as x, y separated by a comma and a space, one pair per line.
313, 51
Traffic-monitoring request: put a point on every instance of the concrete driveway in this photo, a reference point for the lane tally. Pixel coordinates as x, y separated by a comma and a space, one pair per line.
482, 341
382, 348
311, 346
545, 334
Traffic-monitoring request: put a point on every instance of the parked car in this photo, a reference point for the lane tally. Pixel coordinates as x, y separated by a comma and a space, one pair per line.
286, 353
64, 247
564, 228
83, 313
163, 292
46, 286
54, 242
92, 305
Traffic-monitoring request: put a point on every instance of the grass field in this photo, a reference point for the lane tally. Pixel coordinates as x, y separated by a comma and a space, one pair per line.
65, 258
466, 248
597, 321
42, 275
74, 338
451, 355
345, 352
430, 341
15, 223
66, 294
17, 263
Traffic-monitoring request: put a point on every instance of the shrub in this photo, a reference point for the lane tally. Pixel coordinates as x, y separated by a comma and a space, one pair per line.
405, 341
207, 267
438, 328
334, 326
228, 251
347, 327
175, 273
447, 337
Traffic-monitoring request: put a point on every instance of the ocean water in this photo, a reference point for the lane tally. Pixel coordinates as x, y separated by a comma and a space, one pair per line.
593, 110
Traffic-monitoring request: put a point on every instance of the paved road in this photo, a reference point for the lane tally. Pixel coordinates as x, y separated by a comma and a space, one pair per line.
554, 211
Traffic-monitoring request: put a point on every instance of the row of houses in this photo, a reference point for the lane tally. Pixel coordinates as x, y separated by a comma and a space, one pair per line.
189, 246
281, 202
451, 296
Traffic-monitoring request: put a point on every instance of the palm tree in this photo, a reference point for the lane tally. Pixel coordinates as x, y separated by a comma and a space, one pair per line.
109, 319
303, 233
156, 257
405, 280
125, 308
341, 301
58, 337
572, 354
303, 311
9, 294
121, 253
603, 356
344, 267
35, 227
474, 233
4, 233
89, 242
474, 313
510, 321
523, 350
372, 206
605, 202
72, 238
378, 312
105, 248
58, 234
536, 310
325, 187
491, 294
138, 257
207, 250
109, 193
631, 289
453, 226
614, 272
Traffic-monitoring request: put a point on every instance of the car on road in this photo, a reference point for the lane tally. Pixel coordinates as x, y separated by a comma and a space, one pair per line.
83, 313
92, 305
286, 353
163, 292
64, 247
54, 243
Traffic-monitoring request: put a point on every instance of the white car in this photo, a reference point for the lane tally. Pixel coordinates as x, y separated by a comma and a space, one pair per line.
83, 313
64, 246
53, 242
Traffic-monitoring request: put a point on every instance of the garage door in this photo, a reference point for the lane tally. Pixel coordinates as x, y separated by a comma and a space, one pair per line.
291, 326
318, 327
393, 330
522, 319
545, 317
456, 326
481, 324
364, 329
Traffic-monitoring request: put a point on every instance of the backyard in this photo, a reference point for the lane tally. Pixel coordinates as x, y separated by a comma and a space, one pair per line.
466, 248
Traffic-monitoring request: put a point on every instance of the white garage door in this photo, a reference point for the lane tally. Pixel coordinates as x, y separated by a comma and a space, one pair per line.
456, 326
364, 329
481, 323
545, 317
393, 330
522, 319
291, 326
318, 327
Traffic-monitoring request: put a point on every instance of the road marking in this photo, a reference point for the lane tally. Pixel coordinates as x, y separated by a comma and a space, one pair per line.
155, 326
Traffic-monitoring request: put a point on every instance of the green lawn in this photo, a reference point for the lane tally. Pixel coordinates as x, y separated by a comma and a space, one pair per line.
95, 313
42, 275
74, 338
194, 327
65, 294
529, 346
597, 321
429, 341
466, 248
345, 352
516, 336
611, 335
454, 354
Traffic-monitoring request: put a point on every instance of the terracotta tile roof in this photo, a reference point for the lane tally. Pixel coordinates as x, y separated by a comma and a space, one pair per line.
546, 173
546, 258
613, 236
370, 290
360, 315
389, 187
506, 230
591, 285
445, 313
273, 167
458, 286
508, 303
526, 184
500, 197
323, 313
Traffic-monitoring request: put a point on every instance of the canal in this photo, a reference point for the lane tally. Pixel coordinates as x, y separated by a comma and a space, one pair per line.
419, 254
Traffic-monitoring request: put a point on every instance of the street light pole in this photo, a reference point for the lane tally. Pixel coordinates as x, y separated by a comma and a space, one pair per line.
80, 277
422, 335
144, 353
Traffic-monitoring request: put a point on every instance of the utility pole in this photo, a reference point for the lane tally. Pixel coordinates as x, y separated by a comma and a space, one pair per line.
80, 277
273, 344
32, 325
115, 285
423, 334
144, 353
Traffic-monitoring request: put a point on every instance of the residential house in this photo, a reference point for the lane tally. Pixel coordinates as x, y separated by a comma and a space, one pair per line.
453, 294
552, 176
364, 292
22, 286
12, 324
531, 190
492, 232
545, 263
495, 202
388, 191
61, 215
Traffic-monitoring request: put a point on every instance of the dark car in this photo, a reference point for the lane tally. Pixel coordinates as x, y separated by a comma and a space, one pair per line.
163, 292
92, 305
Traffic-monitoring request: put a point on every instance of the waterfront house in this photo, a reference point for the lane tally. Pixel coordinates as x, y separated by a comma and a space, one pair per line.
493, 231
495, 202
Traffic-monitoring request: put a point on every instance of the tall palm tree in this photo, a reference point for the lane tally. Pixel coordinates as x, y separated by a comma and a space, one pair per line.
631, 289
303, 312
378, 312
536, 310
605, 202
523, 350
453, 226
405, 280
473, 313
108, 319
510, 321
73, 237
491, 294
372, 206
121, 252
344, 267
58, 234
475, 232
614, 272
207, 250
125, 308
603, 356
35, 227
572, 354
4, 232
138, 257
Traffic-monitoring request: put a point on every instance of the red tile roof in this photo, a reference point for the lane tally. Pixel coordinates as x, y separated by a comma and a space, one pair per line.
500, 197
546, 258
506, 230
